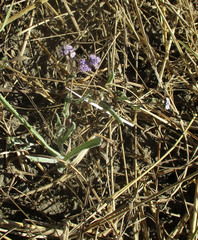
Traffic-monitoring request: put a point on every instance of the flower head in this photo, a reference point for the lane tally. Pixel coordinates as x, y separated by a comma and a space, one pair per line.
84, 66
94, 60
68, 50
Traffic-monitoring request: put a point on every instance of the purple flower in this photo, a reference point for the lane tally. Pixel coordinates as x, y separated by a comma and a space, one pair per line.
68, 50
84, 66
94, 60
167, 105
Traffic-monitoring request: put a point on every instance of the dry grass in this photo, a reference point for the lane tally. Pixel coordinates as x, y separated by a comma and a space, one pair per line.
141, 182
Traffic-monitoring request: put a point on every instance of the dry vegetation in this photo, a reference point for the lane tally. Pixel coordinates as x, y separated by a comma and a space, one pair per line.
139, 180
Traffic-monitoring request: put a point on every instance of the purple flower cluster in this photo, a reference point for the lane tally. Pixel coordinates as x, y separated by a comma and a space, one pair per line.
85, 65
68, 50
94, 60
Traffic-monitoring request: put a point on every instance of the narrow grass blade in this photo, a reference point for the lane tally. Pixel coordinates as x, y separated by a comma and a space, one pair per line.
87, 145
23, 12
189, 49
7, 17
29, 127
111, 111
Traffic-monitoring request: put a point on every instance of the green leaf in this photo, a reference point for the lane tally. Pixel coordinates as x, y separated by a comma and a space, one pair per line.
59, 140
69, 132
111, 111
111, 78
65, 111
42, 159
62, 137
121, 96
87, 145
69, 77
58, 121
78, 100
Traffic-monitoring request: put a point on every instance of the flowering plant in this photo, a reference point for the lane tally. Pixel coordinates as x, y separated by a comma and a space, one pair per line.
95, 61
85, 65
